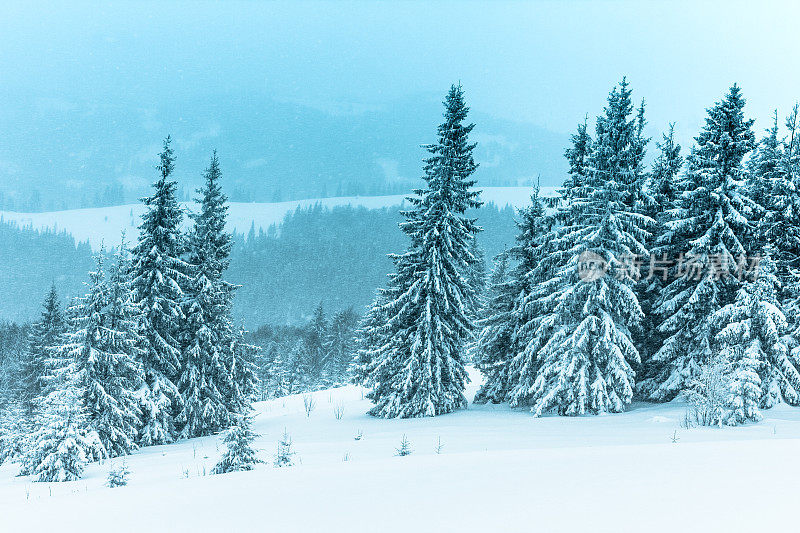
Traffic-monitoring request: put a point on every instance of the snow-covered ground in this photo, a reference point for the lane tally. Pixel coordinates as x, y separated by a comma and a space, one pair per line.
499, 470
104, 224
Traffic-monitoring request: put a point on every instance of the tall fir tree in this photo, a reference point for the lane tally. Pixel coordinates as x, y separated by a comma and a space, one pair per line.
242, 375
208, 335
477, 277
64, 439
493, 347
45, 335
705, 238
665, 192
503, 354
578, 155
586, 355
105, 348
315, 338
417, 365
159, 279
664, 176
774, 183
750, 336
765, 170
340, 347
371, 340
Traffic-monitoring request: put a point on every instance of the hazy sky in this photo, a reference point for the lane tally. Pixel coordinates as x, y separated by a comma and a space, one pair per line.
546, 63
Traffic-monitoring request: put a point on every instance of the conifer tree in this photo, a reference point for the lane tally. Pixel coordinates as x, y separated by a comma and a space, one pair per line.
642, 198
417, 368
665, 192
705, 239
577, 155
493, 349
664, 177
45, 335
239, 454
316, 356
371, 340
285, 455
64, 440
476, 277
766, 169
586, 355
340, 347
774, 183
159, 279
243, 375
538, 258
15, 428
293, 373
750, 336
105, 348
208, 336
502, 347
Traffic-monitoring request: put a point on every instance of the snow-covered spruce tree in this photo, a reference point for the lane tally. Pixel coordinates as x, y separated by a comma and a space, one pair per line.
104, 346
46, 334
371, 339
64, 440
208, 336
417, 366
340, 347
664, 190
664, 176
158, 282
578, 155
584, 363
15, 427
774, 183
641, 198
285, 454
242, 375
493, 347
781, 225
314, 344
291, 372
505, 331
751, 337
780, 375
477, 276
706, 239
765, 168
239, 454
539, 258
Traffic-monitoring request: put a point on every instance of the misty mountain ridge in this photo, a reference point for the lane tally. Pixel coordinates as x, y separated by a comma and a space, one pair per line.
63, 154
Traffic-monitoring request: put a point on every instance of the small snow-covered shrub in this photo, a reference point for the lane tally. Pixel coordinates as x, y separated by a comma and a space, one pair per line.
285, 454
405, 447
118, 477
708, 395
338, 411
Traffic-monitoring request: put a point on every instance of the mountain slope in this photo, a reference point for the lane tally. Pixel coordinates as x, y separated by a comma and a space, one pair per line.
103, 225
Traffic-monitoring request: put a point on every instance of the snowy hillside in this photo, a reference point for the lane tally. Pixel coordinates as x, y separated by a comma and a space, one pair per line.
498, 470
104, 224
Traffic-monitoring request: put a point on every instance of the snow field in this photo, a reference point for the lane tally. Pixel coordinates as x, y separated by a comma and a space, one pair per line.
499, 470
